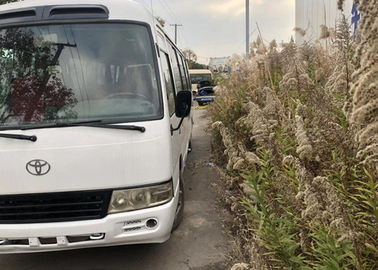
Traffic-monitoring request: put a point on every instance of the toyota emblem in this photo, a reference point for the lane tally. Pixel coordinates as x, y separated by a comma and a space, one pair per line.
38, 167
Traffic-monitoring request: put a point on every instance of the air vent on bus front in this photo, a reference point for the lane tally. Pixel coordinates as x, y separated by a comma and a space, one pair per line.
88, 12
17, 14
57, 12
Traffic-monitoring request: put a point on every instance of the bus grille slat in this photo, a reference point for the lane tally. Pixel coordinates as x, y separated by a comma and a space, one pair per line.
54, 207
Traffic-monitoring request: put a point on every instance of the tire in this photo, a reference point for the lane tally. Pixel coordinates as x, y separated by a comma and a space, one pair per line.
200, 103
180, 207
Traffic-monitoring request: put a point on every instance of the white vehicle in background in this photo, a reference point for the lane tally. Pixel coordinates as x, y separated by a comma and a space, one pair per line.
95, 126
199, 75
202, 85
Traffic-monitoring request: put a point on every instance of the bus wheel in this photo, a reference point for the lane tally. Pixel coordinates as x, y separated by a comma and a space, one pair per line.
180, 207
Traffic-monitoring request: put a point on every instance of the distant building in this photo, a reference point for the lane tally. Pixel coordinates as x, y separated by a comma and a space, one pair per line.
312, 15
219, 64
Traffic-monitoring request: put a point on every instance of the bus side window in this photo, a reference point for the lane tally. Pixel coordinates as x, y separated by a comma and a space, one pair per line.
182, 71
167, 72
186, 73
176, 69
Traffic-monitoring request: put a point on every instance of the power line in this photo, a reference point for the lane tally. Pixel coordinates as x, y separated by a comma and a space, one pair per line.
169, 9
182, 37
175, 21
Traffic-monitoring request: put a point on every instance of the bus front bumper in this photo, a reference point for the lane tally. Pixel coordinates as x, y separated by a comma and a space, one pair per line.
151, 225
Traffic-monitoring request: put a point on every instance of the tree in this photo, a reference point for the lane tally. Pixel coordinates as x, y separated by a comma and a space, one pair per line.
196, 65
190, 55
192, 60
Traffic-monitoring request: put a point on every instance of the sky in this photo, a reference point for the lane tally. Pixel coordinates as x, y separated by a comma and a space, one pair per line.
216, 28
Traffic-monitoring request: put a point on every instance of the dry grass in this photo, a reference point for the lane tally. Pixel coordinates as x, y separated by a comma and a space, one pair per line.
297, 134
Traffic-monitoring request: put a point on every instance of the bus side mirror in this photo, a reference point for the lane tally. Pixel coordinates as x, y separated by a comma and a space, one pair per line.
183, 104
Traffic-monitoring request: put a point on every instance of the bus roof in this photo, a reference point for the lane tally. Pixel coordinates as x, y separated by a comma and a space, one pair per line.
128, 10
118, 9
199, 71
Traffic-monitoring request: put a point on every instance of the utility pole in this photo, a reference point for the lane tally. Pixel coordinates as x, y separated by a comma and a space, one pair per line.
247, 25
176, 25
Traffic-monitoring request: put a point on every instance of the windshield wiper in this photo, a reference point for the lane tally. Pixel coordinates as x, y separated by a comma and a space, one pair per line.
110, 126
56, 125
94, 124
32, 138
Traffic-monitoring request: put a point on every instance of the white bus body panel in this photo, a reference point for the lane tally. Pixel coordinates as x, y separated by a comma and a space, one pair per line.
87, 158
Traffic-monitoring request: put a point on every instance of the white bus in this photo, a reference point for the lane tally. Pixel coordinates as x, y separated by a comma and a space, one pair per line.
199, 75
95, 126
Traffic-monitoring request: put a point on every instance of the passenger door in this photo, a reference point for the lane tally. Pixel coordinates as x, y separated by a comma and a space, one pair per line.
178, 136
171, 97
188, 122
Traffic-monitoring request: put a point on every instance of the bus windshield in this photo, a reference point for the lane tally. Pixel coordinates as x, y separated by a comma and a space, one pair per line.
77, 72
197, 78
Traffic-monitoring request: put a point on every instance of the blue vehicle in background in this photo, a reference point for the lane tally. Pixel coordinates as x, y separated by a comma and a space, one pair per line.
205, 93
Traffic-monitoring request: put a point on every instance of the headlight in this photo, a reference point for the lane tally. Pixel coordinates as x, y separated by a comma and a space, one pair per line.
140, 198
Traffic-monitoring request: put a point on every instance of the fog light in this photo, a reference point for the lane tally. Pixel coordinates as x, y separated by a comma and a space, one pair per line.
97, 236
151, 223
2, 241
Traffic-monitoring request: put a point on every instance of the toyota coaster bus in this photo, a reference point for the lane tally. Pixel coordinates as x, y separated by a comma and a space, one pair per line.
95, 126
199, 75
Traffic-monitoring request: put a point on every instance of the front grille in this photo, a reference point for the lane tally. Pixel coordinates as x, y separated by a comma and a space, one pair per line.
54, 207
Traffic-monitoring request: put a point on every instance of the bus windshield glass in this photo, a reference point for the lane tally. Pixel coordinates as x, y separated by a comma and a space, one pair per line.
77, 72
197, 78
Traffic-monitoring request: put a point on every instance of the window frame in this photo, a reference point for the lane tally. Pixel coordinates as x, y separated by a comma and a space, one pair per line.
160, 114
165, 54
174, 50
182, 72
185, 64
